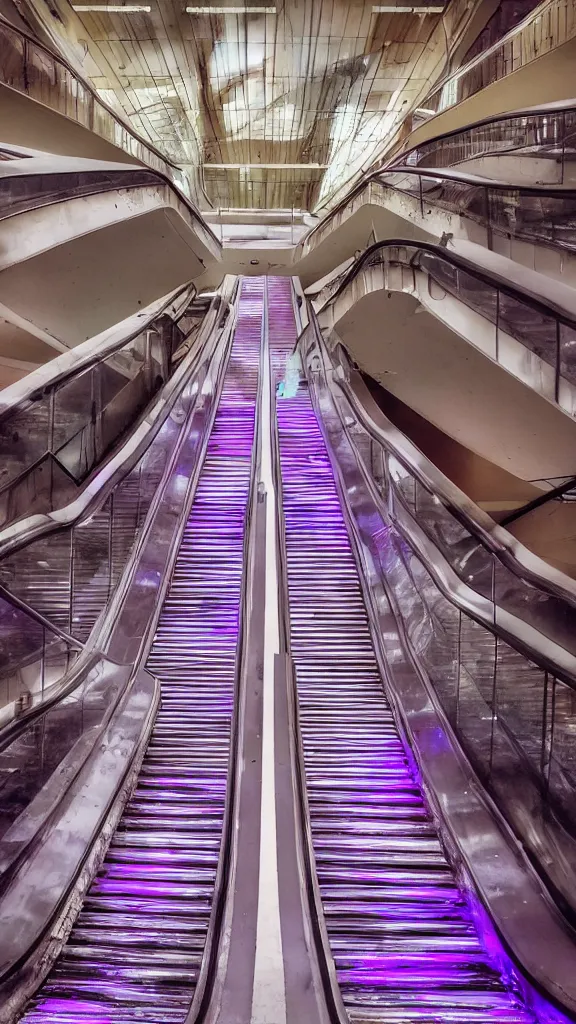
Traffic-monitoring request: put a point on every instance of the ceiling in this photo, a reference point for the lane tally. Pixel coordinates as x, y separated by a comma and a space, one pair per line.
320, 82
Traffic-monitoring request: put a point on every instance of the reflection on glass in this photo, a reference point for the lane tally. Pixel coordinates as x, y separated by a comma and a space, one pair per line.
531, 327
568, 353
49, 445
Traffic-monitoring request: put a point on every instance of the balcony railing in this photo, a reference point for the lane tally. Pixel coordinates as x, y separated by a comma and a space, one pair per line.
547, 27
544, 134
540, 215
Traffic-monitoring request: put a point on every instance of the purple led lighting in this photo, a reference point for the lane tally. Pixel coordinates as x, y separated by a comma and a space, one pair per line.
135, 952
402, 935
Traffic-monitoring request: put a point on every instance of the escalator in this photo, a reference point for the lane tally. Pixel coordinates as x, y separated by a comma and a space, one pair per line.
402, 932
135, 951
408, 941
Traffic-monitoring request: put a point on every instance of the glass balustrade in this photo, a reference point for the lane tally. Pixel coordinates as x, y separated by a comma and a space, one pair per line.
545, 29
510, 712
18, 194
68, 576
542, 216
52, 441
517, 318
31, 69
547, 135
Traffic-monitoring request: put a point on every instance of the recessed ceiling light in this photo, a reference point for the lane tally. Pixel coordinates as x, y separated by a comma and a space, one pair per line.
405, 9
211, 9
114, 8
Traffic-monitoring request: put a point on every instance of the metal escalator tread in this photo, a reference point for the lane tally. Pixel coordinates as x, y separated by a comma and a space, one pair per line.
402, 934
135, 951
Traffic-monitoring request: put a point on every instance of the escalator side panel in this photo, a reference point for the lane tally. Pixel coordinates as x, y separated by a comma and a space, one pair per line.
136, 949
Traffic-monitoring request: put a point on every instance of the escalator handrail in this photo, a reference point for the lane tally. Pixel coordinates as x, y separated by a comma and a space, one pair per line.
76, 360
488, 277
482, 184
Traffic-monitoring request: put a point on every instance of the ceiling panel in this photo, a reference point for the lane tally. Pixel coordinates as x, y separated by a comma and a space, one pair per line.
321, 82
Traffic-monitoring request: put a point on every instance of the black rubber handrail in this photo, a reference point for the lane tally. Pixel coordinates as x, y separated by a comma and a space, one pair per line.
569, 108
489, 278
537, 191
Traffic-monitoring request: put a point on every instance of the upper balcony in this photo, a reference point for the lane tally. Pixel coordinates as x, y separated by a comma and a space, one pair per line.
86, 243
531, 65
67, 115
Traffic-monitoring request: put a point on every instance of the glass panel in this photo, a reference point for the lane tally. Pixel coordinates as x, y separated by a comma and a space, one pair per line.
535, 330
40, 575
569, 154
123, 408
12, 63
78, 455
475, 719
404, 483
32, 758
433, 627
520, 688
35, 492
551, 615
91, 571
24, 438
443, 273
478, 295
73, 407
534, 217
35, 190
472, 561
21, 655
568, 353
562, 778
